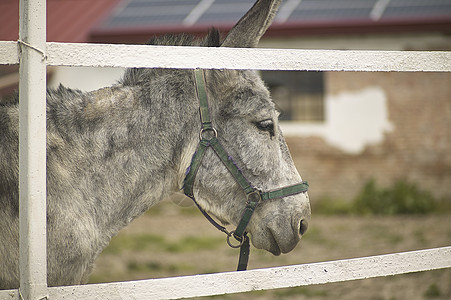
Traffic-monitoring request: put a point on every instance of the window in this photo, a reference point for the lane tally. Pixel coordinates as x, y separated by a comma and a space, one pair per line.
299, 95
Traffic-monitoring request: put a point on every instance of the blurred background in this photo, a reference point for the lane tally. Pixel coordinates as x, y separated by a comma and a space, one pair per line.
375, 147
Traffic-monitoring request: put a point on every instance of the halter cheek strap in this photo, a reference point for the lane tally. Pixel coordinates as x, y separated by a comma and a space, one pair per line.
209, 138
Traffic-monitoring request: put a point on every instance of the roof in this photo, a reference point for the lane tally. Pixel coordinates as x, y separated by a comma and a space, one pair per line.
67, 20
136, 20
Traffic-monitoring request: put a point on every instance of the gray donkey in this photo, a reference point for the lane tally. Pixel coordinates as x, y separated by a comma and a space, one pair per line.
115, 152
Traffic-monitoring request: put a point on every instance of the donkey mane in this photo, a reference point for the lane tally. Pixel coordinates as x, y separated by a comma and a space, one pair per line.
213, 39
135, 76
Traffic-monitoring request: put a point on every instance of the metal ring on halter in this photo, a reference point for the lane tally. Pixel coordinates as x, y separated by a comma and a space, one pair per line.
203, 130
254, 197
230, 234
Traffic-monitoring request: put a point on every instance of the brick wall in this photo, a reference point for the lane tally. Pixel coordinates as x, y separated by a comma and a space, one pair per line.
418, 149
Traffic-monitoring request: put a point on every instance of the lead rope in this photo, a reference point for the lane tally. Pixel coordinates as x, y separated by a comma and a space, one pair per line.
245, 250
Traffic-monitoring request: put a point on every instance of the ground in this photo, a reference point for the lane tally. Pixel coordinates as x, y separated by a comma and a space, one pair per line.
174, 240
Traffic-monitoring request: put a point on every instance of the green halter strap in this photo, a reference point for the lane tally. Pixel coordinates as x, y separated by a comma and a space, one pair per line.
209, 138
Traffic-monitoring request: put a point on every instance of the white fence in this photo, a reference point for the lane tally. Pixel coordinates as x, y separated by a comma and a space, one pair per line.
34, 54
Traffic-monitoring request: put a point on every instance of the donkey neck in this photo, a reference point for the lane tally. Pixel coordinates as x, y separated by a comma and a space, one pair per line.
130, 149
159, 145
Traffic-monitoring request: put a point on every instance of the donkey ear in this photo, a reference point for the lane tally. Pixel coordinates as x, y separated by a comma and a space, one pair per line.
251, 27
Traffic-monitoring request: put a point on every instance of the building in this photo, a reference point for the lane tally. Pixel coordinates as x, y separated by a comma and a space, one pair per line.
343, 128
67, 21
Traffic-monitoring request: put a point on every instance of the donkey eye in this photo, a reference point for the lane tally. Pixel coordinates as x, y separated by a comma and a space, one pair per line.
266, 125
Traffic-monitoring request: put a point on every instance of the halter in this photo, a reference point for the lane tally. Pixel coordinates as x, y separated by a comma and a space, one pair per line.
209, 138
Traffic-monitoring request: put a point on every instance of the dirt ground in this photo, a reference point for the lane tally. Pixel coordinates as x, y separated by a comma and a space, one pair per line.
173, 240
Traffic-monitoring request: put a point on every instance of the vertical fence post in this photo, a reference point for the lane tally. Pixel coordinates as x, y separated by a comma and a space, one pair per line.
32, 150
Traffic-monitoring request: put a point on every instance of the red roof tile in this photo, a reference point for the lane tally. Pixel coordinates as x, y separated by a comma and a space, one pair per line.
67, 20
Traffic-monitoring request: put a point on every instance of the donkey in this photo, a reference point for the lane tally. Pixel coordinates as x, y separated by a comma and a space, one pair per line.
115, 152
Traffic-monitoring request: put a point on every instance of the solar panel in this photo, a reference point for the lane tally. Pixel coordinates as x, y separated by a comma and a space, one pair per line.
150, 13
142, 13
417, 8
329, 14
225, 12
318, 5
144, 21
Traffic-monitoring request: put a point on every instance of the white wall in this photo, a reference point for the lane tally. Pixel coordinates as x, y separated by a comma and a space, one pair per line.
353, 120
85, 78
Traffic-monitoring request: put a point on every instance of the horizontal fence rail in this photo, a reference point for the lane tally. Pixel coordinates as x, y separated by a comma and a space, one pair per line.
255, 280
105, 55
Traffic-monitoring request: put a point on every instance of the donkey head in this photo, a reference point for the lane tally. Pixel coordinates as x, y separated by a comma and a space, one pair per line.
247, 126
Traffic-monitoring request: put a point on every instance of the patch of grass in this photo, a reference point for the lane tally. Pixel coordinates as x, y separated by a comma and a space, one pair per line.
316, 236
138, 242
402, 198
433, 291
153, 266
155, 210
134, 266
331, 206
382, 233
420, 236
189, 211
443, 205
194, 243
146, 242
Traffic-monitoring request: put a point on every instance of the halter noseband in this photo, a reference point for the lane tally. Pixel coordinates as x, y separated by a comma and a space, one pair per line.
209, 138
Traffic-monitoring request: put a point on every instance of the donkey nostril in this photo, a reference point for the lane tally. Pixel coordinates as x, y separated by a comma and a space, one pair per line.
303, 227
